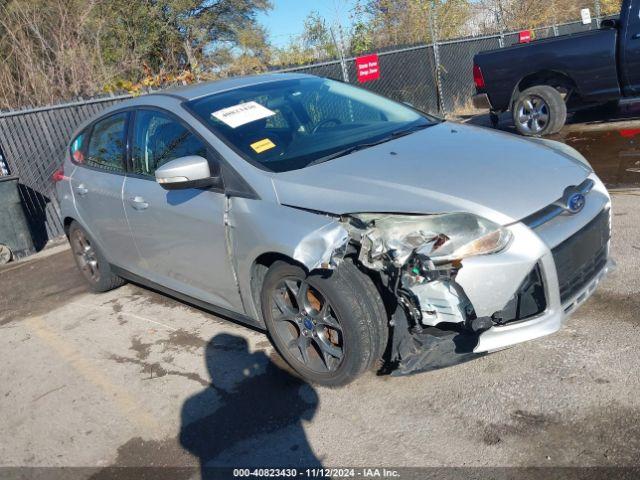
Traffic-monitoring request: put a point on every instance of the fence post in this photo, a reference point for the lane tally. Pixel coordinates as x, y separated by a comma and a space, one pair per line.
340, 46
433, 24
500, 28
598, 12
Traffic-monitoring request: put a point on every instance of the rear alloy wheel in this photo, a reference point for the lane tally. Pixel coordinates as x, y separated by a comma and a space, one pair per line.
92, 264
331, 327
85, 256
539, 111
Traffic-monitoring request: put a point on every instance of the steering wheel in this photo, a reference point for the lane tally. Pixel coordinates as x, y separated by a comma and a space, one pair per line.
322, 123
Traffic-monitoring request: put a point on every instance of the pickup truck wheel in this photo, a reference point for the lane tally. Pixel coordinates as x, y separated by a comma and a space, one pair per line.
539, 111
330, 326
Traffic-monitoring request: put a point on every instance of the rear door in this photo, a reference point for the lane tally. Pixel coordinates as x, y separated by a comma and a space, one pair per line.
97, 187
180, 234
630, 47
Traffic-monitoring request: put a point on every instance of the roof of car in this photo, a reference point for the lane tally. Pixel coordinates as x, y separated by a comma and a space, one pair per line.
191, 92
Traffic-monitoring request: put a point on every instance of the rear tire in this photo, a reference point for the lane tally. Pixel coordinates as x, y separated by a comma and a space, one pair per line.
330, 327
91, 262
539, 111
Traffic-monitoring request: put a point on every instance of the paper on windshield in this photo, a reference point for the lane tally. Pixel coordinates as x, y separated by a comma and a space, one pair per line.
242, 114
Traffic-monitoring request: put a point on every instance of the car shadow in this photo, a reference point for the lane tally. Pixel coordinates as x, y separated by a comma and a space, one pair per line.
251, 414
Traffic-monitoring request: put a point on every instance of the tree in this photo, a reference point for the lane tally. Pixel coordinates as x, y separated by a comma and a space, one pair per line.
383, 23
316, 43
54, 50
317, 37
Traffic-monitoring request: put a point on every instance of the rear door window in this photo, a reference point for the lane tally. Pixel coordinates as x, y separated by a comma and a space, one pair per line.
158, 139
105, 149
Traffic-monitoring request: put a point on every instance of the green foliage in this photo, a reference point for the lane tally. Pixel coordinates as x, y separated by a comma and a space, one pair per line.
316, 43
60, 49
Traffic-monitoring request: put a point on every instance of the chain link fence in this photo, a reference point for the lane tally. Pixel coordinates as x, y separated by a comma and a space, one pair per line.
32, 144
435, 77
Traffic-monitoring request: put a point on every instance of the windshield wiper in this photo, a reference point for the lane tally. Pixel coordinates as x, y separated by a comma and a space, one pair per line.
362, 146
410, 130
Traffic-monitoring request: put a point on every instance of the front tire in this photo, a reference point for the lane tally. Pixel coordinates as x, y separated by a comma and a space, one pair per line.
539, 111
94, 267
330, 327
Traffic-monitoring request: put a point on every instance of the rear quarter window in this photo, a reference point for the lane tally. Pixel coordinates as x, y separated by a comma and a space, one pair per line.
76, 149
105, 146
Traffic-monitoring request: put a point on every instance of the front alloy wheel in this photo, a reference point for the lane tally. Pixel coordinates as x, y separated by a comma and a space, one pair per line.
308, 326
329, 326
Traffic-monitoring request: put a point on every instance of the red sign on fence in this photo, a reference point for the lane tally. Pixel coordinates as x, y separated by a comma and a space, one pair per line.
368, 68
526, 36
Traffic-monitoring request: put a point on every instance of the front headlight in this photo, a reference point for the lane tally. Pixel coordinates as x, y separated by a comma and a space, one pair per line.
492, 242
465, 235
443, 238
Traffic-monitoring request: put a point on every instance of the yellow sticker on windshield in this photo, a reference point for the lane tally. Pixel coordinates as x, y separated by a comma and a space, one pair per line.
262, 145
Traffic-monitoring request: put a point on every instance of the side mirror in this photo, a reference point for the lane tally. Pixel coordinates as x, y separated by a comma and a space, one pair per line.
609, 23
186, 172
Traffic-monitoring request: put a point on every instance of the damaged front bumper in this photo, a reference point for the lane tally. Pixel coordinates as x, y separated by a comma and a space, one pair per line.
526, 291
464, 286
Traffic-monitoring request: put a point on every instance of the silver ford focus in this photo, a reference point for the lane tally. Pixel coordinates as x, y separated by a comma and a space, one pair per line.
358, 232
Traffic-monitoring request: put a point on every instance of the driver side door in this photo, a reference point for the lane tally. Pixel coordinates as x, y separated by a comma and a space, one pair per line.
180, 235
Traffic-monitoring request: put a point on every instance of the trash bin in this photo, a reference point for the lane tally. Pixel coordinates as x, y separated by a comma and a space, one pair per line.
15, 236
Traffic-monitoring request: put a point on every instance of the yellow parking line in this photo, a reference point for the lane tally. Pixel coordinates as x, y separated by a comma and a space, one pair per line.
127, 405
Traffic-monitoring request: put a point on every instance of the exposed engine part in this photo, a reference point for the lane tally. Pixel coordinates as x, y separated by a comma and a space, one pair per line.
441, 302
434, 324
394, 238
401, 246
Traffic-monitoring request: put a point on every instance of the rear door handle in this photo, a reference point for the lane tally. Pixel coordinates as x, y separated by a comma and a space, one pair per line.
82, 190
636, 36
138, 203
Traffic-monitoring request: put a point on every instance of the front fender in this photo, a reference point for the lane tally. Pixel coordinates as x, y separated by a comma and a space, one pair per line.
259, 227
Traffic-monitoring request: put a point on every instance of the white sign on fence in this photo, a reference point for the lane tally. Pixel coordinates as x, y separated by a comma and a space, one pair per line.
585, 13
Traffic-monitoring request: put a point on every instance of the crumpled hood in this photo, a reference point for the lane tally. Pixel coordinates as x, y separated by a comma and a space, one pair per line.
445, 168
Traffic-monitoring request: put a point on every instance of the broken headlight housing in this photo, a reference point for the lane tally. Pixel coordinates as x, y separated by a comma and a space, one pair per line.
468, 236
442, 238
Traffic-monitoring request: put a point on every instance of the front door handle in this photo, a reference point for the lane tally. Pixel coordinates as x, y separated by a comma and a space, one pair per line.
82, 190
138, 203
636, 36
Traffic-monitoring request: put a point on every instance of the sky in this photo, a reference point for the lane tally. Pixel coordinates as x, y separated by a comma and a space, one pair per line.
286, 20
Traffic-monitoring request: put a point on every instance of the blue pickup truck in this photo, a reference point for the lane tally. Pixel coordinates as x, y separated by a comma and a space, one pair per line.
540, 81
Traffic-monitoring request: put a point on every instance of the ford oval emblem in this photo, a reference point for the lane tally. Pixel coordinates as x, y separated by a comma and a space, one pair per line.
575, 202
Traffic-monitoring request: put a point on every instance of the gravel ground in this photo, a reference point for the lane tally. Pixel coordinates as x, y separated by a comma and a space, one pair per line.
134, 378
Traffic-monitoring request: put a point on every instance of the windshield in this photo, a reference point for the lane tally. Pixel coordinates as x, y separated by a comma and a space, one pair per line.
290, 124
